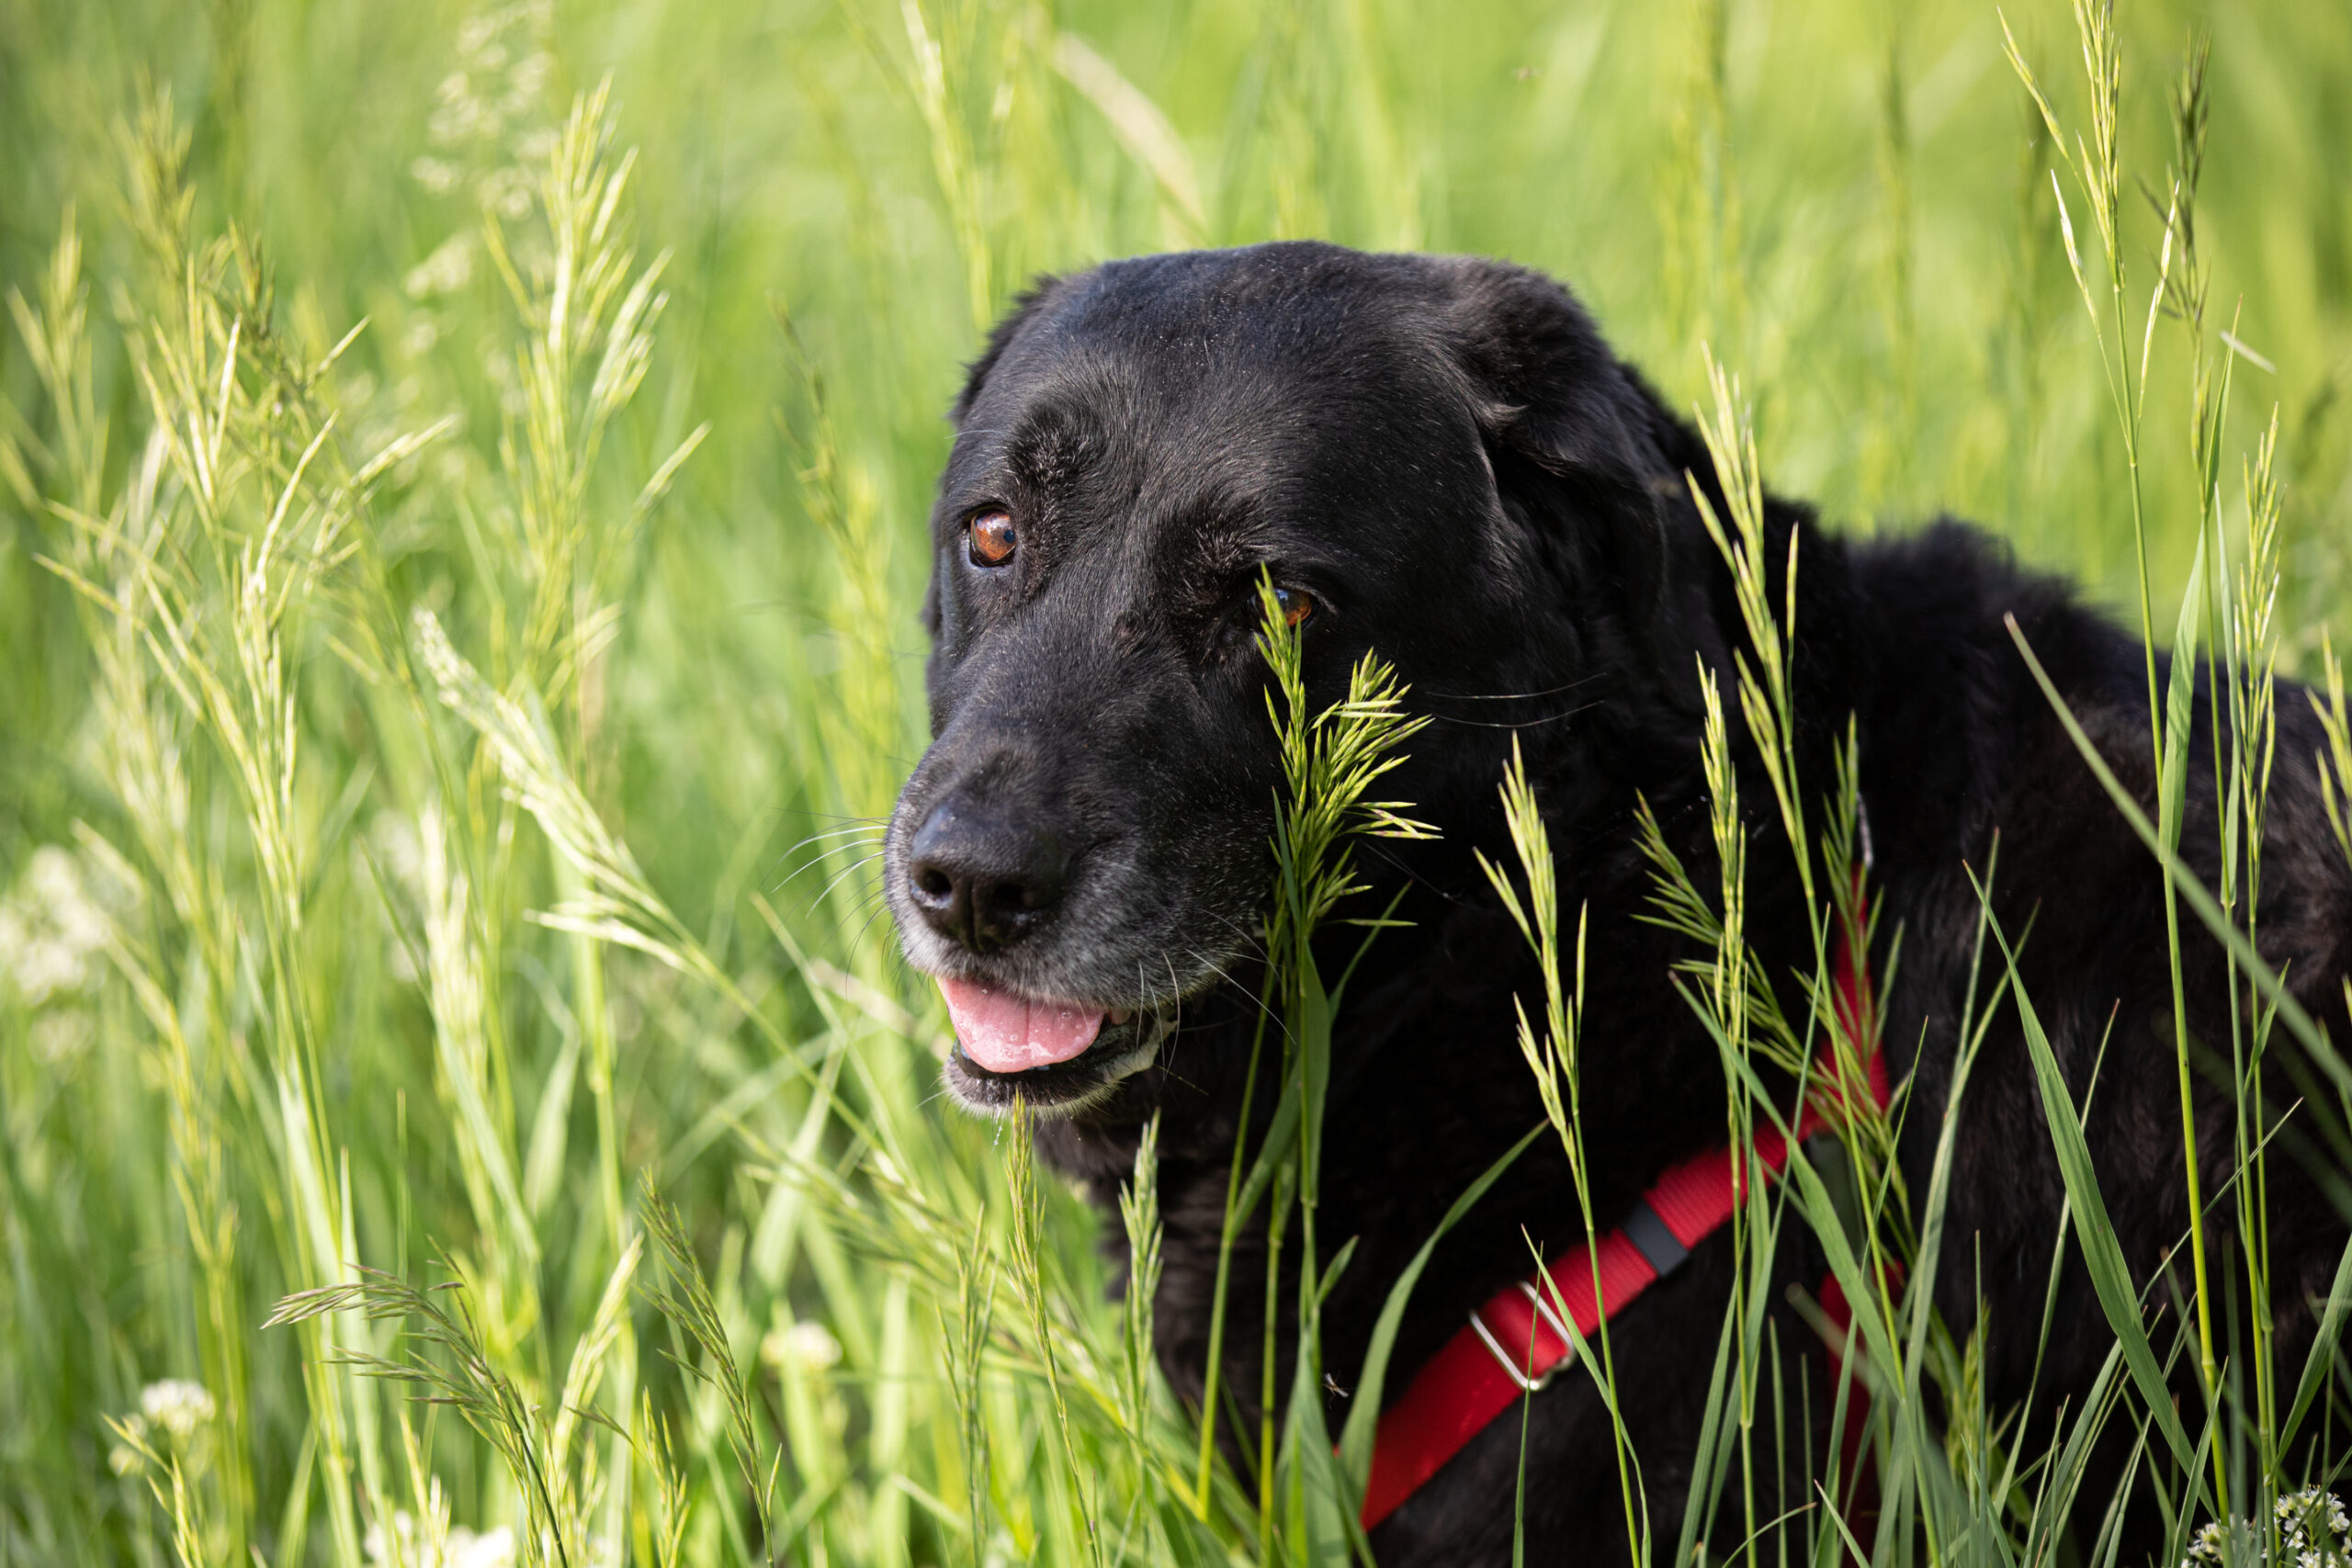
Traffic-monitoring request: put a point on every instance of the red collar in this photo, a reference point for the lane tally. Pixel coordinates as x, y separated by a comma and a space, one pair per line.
1514, 1343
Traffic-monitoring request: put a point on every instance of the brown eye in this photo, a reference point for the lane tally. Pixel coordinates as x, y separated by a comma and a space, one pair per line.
1297, 607
991, 538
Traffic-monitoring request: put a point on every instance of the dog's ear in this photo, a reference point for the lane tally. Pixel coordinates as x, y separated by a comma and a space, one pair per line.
1026, 305
1583, 451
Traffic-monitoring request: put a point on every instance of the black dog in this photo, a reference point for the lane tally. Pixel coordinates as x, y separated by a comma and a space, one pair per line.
1439, 458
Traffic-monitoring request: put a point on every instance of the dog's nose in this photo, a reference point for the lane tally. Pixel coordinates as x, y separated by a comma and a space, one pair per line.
981, 876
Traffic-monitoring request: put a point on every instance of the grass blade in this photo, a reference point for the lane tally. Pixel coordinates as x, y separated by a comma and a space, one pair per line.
1364, 1412
2102, 1254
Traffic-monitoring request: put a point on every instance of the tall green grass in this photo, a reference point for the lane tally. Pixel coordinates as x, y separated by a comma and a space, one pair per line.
463, 475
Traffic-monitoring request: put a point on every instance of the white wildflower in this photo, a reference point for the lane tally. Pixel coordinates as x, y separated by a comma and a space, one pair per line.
505, 191
449, 268
422, 333
2311, 1533
51, 929
491, 1549
436, 174
528, 79
803, 1346
61, 1034
461, 119
379, 1547
396, 854
399, 853
438, 1544
177, 1406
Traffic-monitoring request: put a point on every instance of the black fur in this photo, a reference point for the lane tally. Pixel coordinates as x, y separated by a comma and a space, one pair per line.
1445, 455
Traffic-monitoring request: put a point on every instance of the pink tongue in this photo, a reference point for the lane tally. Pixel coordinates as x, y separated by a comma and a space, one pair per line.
1008, 1033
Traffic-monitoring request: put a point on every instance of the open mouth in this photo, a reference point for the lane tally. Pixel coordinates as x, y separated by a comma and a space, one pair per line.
1051, 1054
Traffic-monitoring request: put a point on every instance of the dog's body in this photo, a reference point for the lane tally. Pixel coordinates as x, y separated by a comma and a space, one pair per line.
1439, 458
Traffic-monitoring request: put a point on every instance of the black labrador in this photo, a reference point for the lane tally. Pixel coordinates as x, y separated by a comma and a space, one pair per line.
1439, 457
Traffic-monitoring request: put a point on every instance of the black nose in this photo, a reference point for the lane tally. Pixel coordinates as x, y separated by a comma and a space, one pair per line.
982, 875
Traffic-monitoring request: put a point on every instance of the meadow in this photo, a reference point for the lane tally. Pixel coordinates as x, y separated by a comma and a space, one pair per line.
462, 489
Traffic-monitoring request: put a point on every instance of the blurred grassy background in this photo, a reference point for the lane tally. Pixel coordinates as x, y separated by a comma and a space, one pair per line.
1851, 203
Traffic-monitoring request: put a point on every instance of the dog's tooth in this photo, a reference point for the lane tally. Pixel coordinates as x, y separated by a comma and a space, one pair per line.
1121, 1015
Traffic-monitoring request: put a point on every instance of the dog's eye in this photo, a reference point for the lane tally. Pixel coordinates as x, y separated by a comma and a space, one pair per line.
1298, 605
990, 539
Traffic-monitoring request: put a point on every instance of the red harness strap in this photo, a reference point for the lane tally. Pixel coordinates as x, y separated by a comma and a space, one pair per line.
1515, 1343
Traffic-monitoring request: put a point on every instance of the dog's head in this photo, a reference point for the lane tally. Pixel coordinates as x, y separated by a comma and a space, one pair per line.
1433, 456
